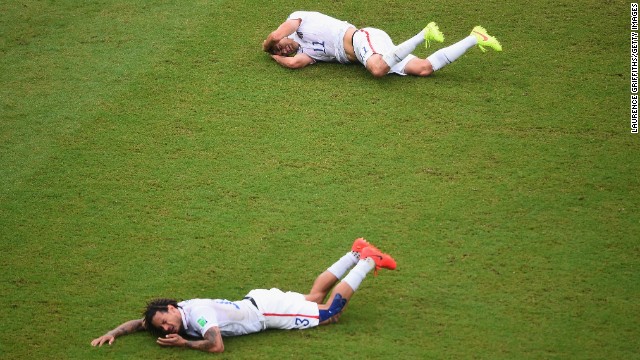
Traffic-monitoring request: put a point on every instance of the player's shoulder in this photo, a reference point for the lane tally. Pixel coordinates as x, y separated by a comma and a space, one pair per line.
303, 14
191, 303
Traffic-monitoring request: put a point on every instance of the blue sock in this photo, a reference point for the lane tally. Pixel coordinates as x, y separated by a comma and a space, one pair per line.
335, 308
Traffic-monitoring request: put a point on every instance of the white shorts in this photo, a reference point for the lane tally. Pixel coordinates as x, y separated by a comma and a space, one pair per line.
369, 41
288, 310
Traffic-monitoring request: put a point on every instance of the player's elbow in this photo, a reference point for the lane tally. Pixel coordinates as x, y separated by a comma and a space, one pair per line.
217, 348
290, 62
297, 65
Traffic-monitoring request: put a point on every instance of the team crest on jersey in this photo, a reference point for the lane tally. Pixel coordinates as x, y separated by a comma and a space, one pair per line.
202, 321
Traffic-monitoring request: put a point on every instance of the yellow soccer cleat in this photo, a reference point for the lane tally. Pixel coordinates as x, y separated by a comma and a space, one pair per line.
432, 33
485, 39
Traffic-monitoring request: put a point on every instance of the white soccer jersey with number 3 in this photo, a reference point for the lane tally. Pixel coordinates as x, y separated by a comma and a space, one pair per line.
232, 317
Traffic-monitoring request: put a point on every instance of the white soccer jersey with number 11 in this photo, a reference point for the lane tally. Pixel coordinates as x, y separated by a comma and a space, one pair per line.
320, 36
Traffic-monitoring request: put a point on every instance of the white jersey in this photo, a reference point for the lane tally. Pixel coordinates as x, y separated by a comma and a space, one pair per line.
232, 317
321, 37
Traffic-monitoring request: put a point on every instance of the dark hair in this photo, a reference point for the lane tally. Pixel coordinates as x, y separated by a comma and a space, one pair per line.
153, 307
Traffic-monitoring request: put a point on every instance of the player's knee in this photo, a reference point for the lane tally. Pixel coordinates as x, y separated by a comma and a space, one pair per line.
419, 67
377, 66
379, 70
425, 71
426, 68
315, 297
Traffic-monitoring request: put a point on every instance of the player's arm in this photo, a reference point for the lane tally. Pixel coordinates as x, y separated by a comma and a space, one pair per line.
285, 29
298, 61
124, 329
211, 341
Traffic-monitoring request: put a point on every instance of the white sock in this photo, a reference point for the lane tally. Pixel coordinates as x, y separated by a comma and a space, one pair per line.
445, 56
359, 272
340, 267
403, 50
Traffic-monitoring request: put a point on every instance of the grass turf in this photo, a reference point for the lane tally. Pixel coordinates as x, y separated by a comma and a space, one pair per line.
150, 149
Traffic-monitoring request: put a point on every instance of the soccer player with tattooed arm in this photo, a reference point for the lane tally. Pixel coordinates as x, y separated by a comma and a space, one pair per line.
202, 324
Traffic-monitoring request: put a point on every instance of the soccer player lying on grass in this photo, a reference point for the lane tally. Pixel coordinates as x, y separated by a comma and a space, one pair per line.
201, 323
306, 37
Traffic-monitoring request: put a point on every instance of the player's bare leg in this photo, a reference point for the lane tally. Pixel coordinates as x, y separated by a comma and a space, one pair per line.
330, 311
372, 259
377, 66
380, 64
321, 287
419, 67
329, 278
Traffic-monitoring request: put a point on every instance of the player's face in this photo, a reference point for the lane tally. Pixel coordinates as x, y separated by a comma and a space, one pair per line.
286, 47
170, 322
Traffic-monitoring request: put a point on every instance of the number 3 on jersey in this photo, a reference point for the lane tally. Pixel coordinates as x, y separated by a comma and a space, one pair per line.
302, 322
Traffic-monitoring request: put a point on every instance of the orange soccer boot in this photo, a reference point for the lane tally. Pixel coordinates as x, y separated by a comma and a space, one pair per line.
359, 244
381, 259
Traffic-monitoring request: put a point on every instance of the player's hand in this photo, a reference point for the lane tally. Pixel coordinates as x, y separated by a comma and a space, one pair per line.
103, 339
171, 340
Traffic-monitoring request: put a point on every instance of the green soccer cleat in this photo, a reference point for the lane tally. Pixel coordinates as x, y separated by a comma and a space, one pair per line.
485, 39
432, 33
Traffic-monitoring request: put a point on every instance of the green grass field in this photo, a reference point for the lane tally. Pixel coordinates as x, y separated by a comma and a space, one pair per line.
151, 149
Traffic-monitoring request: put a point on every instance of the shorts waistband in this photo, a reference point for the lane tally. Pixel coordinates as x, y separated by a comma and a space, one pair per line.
263, 322
252, 301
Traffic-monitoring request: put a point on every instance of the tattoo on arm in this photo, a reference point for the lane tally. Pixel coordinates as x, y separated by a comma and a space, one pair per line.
209, 341
128, 328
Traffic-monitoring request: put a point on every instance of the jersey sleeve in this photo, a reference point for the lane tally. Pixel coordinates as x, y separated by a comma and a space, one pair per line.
202, 319
296, 15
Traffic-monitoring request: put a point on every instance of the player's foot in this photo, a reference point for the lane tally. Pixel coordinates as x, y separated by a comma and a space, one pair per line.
432, 33
359, 244
485, 39
381, 259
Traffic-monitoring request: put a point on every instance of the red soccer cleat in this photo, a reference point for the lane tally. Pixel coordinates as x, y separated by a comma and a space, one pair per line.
359, 244
381, 259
